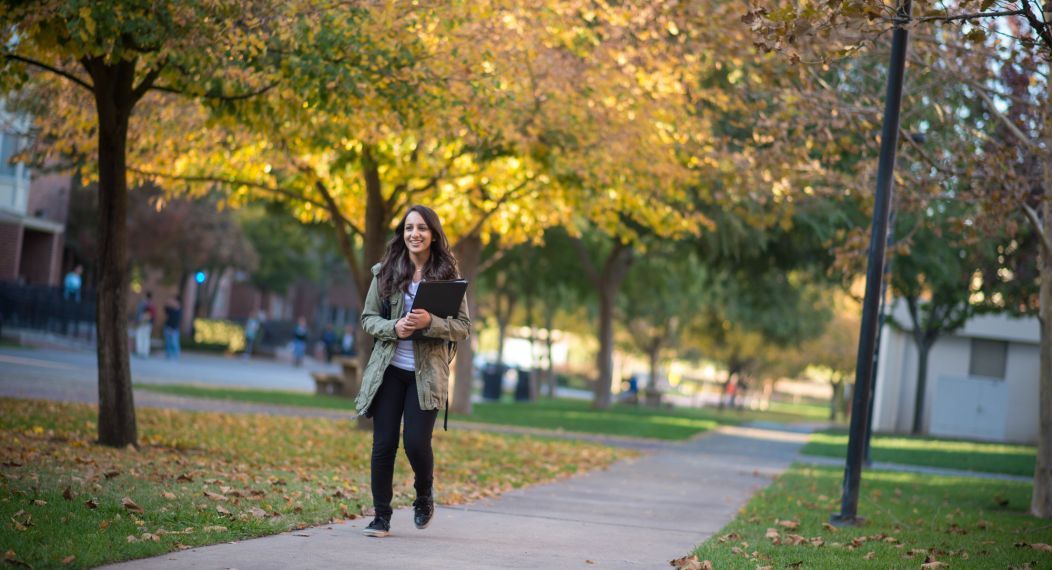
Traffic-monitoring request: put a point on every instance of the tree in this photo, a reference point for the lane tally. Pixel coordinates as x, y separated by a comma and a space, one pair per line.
1007, 71
117, 52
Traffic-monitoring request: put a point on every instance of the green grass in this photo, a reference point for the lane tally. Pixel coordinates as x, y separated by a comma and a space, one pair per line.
933, 452
269, 474
559, 414
275, 397
962, 522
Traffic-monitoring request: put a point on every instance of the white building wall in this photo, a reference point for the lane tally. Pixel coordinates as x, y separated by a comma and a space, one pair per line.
951, 356
1023, 377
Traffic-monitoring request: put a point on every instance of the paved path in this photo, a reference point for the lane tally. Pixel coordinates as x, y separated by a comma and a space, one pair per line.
639, 513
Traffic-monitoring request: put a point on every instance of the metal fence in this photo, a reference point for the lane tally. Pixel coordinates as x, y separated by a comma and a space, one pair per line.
44, 308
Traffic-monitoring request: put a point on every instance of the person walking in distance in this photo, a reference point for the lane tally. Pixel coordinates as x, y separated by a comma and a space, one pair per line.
145, 313
407, 379
173, 313
252, 328
299, 341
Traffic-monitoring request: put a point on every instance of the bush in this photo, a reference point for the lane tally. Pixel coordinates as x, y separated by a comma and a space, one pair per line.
227, 335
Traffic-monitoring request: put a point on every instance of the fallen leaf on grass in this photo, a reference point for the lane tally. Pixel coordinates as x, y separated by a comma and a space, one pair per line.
1041, 546
791, 525
39, 502
214, 496
69, 559
830, 527
111, 473
91, 504
214, 528
774, 535
131, 506
67, 494
168, 495
870, 555
930, 563
222, 511
690, 563
258, 513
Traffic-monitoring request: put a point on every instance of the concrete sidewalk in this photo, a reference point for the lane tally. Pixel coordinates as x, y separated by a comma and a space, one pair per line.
639, 513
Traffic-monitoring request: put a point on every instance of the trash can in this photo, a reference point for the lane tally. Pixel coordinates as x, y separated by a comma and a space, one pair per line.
491, 382
522, 388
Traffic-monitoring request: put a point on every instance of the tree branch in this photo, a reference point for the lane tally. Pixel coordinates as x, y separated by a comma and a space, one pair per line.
586, 261
216, 96
1012, 127
1035, 221
147, 82
232, 182
60, 72
972, 16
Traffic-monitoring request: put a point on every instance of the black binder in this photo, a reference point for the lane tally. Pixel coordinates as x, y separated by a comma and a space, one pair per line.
440, 298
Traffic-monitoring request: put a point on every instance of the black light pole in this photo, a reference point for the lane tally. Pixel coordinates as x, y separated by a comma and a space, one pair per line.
867, 459
875, 272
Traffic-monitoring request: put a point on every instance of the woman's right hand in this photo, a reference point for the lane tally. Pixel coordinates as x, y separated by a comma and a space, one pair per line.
402, 328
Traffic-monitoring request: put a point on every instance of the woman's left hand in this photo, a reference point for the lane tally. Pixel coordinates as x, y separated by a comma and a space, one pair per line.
419, 319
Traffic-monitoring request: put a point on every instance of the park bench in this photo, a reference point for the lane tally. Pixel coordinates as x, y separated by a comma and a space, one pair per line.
345, 383
328, 383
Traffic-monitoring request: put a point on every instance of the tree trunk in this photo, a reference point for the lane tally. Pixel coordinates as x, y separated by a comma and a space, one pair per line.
923, 350
653, 397
377, 230
605, 358
614, 272
113, 84
469, 255
1041, 499
549, 322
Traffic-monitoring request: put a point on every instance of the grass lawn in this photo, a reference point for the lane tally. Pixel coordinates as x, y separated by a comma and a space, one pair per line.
910, 519
203, 478
559, 414
932, 452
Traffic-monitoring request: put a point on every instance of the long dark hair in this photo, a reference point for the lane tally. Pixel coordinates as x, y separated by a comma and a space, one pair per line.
397, 269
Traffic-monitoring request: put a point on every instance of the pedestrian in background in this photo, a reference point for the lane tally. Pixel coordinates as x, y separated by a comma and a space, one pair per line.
173, 314
299, 341
347, 341
328, 341
252, 328
145, 313
72, 284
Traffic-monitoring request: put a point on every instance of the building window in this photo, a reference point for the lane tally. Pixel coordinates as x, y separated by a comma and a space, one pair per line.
8, 148
988, 358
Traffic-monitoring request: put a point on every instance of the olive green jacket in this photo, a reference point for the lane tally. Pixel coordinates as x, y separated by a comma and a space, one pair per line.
431, 356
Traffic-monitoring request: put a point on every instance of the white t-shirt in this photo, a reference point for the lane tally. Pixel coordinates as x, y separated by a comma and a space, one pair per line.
403, 356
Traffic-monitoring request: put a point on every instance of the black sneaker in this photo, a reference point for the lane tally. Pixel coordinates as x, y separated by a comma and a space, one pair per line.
380, 527
423, 510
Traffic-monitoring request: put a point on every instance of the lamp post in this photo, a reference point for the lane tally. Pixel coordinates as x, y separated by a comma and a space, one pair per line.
875, 271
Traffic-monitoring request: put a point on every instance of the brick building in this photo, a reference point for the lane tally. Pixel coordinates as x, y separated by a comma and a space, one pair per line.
33, 210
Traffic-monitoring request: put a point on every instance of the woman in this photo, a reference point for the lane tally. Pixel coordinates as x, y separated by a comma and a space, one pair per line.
407, 378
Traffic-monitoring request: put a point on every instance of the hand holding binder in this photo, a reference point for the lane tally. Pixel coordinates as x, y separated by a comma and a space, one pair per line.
440, 298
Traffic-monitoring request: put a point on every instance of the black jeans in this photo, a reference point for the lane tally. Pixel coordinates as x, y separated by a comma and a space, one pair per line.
397, 397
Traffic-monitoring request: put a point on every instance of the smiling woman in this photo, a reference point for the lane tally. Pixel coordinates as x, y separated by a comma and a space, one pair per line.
407, 379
